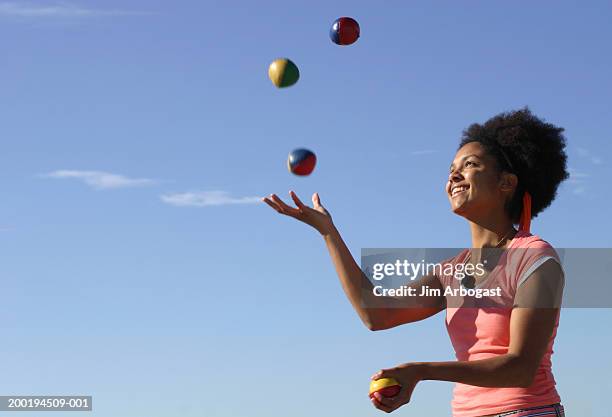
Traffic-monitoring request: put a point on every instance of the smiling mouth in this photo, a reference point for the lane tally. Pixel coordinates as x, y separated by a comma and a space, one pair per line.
458, 189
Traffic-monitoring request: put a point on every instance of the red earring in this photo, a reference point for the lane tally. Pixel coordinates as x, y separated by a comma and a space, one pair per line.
525, 220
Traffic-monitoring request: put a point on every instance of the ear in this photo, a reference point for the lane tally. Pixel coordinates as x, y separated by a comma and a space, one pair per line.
508, 181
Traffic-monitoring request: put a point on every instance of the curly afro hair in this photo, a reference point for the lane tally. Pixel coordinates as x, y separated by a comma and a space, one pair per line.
528, 147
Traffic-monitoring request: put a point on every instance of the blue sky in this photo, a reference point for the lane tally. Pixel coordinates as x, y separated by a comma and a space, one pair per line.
135, 136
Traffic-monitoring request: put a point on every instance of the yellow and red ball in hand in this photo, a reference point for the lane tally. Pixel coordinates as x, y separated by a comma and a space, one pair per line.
301, 162
344, 31
387, 387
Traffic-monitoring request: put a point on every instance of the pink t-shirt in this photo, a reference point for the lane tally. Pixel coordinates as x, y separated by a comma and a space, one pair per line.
480, 332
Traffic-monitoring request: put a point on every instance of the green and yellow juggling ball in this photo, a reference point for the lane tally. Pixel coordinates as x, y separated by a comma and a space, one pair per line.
283, 73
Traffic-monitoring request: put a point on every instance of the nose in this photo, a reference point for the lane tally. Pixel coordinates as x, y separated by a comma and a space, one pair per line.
455, 175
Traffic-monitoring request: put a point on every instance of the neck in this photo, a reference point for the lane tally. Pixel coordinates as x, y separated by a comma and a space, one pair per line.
491, 232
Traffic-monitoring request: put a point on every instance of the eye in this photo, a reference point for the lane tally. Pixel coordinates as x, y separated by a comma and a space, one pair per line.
468, 163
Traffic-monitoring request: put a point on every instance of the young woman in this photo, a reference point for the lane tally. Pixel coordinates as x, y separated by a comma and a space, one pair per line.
505, 172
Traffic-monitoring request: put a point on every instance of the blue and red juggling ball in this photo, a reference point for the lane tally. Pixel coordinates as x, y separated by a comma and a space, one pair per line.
344, 31
301, 162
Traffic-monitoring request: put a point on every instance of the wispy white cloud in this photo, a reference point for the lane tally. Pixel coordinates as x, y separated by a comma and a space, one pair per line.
101, 180
206, 198
57, 9
576, 175
594, 159
423, 151
577, 180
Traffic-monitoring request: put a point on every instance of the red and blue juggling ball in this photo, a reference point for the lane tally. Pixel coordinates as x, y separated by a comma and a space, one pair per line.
344, 31
301, 162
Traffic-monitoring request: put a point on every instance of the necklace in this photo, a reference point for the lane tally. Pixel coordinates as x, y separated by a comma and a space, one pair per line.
469, 281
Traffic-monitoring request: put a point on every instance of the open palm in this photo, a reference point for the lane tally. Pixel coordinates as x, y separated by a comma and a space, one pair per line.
316, 216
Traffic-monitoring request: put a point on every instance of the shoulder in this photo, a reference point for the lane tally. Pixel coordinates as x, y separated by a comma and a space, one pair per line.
528, 253
524, 239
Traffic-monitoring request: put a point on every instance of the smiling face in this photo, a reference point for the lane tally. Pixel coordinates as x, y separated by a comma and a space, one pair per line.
475, 185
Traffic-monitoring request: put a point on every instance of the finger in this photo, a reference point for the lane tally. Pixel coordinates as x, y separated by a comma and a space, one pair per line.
316, 200
384, 373
286, 208
391, 402
296, 200
278, 207
272, 204
380, 405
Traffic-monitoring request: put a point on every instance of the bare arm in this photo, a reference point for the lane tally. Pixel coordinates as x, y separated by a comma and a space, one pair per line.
389, 312
533, 320
531, 326
376, 312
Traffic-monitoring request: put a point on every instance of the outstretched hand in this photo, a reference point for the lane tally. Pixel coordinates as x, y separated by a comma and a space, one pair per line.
316, 216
